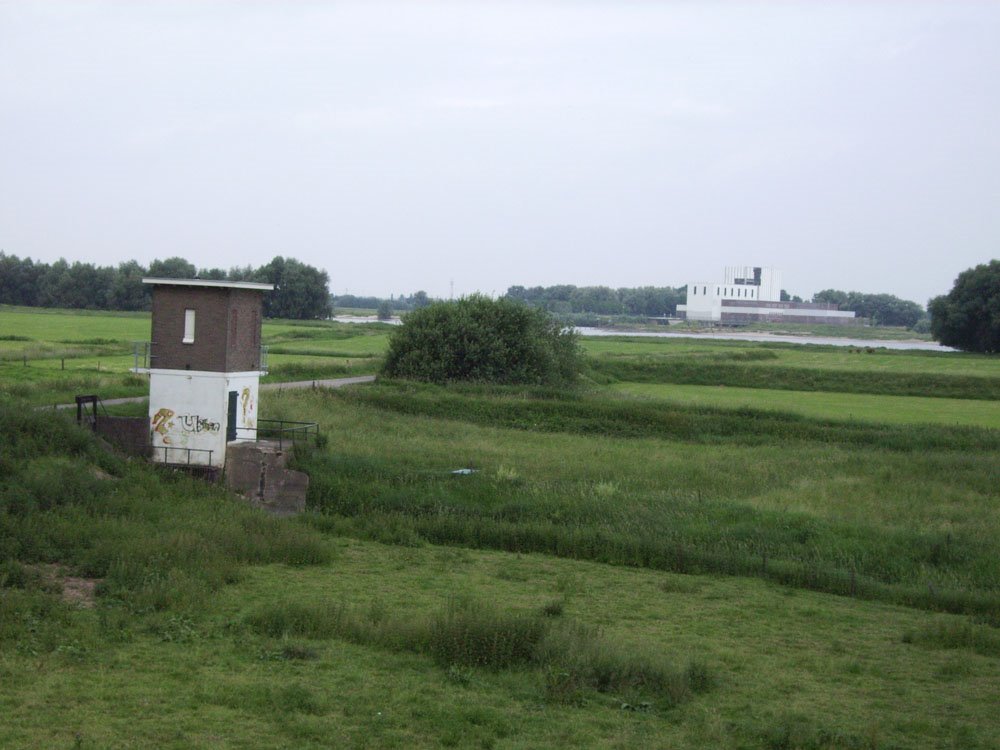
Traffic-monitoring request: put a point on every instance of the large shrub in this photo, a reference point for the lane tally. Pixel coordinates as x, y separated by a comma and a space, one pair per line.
968, 317
484, 340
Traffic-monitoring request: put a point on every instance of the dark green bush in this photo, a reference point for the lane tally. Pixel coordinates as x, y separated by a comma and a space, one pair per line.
484, 340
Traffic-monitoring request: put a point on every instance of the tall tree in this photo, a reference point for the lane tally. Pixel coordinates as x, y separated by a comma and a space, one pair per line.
301, 291
968, 317
127, 290
172, 268
19, 280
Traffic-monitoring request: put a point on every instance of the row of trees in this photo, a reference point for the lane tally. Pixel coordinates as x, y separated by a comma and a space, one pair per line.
652, 301
301, 291
881, 309
394, 303
647, 301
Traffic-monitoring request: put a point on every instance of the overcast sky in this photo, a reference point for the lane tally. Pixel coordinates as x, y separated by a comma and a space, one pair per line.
409, 145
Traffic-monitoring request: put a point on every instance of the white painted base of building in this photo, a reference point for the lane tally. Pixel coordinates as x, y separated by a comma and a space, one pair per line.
190, 412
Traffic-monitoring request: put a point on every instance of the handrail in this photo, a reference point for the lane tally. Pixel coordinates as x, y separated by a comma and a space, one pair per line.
187, 452
283, 430
142, 357
142, 351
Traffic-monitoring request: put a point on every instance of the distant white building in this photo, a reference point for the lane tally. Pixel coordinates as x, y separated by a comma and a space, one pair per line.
752, 294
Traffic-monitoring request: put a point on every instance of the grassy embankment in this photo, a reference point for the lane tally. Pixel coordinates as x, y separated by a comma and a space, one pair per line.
197, 637
714, 626
48, 356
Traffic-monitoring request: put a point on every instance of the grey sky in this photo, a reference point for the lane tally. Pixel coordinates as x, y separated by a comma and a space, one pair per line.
400, 145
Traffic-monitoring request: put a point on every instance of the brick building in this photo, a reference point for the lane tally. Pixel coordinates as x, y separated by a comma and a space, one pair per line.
204, 362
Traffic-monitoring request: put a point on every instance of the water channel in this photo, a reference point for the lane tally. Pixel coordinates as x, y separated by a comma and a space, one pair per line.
926, 346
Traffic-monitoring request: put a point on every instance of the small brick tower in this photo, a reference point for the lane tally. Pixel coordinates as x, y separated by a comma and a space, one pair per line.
205, 362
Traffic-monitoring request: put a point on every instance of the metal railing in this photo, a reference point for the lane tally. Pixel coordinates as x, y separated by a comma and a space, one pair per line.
181, 456
284, 431
142, 357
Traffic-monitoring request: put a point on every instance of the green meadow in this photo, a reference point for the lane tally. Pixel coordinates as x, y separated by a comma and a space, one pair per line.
49, 356
826, 405
704, 544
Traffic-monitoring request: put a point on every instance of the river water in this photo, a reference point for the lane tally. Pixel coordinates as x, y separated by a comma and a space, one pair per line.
927, 346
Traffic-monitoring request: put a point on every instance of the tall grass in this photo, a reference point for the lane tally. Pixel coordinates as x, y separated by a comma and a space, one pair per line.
597, 414
721, 371
157, 542
468, 633
691, 517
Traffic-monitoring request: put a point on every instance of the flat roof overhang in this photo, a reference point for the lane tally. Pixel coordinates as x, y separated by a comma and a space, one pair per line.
209, 283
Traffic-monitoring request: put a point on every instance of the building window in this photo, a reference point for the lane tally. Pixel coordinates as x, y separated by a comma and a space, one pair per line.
188, 327
704, 290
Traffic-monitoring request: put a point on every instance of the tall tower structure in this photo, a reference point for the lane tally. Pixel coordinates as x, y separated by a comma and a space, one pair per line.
205, 362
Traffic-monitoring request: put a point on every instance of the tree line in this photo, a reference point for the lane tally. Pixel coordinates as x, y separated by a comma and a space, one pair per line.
301, 291
394, 303
646, 301
881, 309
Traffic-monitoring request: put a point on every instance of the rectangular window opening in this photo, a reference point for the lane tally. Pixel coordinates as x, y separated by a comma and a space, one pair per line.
188, 327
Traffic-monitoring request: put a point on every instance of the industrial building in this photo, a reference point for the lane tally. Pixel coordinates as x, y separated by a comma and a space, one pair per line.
752, 294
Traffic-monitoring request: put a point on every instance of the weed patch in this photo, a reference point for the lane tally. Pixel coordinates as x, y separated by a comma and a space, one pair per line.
949, 634
468, 635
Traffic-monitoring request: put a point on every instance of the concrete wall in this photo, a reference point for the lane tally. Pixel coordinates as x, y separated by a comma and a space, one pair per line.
751, 294
247, 387
128, 434
259, 473
189, 410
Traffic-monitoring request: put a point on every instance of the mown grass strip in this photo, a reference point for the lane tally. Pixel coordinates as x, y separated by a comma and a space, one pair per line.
723, 372
648, 551
863, 407
546, 411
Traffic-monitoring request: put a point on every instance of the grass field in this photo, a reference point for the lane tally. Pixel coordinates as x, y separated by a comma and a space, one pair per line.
634, 563
49, 356
806, 356
824, 405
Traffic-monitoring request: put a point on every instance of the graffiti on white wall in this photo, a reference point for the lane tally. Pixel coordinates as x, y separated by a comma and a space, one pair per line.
174, 429
195, 423
246, 401
163, 424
